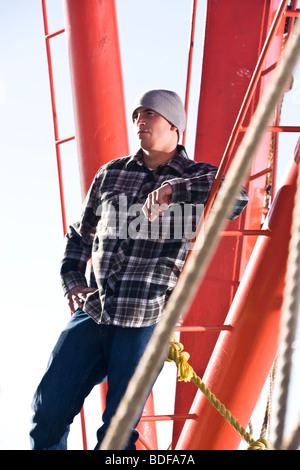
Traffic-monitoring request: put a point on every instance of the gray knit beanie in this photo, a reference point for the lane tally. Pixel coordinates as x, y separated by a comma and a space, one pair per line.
166, 103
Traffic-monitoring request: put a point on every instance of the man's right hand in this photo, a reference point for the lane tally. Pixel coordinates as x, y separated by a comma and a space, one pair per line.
157, 202
77, 296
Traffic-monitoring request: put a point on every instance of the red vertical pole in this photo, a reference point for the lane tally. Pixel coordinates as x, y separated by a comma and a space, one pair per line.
97, 84
190, 63
242, 358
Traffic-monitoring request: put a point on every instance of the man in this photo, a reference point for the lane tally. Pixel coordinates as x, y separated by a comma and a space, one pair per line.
134, 267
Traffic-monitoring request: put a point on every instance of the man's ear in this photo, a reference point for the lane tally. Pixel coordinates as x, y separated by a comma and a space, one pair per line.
174, 128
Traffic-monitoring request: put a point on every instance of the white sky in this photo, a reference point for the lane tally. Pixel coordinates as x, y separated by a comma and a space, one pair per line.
33, 309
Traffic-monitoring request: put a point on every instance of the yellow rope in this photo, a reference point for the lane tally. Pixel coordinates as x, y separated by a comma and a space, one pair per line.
186, 373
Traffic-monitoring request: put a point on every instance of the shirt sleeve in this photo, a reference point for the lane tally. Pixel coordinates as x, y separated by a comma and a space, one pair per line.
196, 190
79, 242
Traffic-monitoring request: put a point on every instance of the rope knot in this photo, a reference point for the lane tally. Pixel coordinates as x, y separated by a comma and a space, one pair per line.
260, 444
186, 373
176, 354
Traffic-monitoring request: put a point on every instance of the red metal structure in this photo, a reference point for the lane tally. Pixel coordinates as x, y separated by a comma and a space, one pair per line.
242, 47
229, 63
253, 342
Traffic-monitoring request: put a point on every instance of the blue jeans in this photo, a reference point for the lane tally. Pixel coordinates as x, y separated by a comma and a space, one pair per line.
85, 355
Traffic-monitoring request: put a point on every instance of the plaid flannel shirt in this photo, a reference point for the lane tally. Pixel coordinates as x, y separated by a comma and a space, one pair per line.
134, 272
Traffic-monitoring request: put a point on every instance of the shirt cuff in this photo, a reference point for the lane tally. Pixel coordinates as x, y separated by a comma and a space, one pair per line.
73, 280
180, 190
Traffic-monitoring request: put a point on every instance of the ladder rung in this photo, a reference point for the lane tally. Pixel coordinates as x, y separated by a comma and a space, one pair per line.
56, 33
293, 13
276, 129
168, 417
261, 173
251, 233
62, 141
269, 69
204, 328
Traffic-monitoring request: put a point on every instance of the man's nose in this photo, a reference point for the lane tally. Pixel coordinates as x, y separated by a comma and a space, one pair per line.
140, 120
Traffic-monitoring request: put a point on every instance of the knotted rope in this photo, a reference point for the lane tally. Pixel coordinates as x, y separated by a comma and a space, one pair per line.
187, 374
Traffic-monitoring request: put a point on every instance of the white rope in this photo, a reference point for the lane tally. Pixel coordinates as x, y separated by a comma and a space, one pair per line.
293, 440
120, 428
290, 313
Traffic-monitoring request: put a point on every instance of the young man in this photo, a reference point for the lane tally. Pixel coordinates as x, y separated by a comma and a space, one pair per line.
136, 262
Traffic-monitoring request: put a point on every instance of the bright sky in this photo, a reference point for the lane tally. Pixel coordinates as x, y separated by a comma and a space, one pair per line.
33, 308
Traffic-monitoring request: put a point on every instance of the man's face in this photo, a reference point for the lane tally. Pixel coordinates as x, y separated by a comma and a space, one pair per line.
153, 131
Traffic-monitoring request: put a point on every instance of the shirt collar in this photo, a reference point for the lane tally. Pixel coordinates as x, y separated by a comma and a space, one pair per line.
178, 162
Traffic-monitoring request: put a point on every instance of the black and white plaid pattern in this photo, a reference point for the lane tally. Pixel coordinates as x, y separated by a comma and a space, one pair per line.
133, 271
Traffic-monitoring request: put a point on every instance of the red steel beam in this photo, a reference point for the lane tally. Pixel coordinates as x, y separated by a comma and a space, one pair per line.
97, 84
